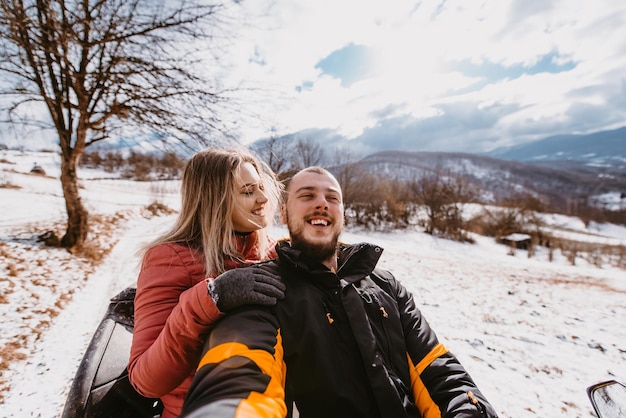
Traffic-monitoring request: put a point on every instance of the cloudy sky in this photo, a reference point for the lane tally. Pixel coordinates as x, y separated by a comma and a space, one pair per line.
457, 75
432, 75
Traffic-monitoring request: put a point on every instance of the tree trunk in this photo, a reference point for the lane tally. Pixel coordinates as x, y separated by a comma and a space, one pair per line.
77, 216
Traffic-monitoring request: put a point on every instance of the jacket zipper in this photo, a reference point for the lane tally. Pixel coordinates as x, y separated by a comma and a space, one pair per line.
329, 317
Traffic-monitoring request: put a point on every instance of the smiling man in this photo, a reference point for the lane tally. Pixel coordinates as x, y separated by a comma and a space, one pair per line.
346, 341
313, 212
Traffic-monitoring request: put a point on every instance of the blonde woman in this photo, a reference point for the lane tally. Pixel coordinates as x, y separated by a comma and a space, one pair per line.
189, 276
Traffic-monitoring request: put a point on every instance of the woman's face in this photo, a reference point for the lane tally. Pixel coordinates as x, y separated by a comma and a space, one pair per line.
250, 200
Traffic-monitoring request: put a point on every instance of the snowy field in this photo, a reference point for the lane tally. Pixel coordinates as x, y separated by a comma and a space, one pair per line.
533, 333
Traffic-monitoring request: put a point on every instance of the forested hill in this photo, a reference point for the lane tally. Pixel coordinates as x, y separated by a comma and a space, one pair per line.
500, 177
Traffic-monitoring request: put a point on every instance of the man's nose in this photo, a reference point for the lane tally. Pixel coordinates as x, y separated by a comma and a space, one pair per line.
322, 203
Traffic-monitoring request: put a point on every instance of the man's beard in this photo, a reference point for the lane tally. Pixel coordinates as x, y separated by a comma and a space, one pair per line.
316, 251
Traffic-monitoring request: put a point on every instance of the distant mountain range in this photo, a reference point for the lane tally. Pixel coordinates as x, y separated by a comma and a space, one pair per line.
605, 148
560, 185
564, 170
560, 169
599, 149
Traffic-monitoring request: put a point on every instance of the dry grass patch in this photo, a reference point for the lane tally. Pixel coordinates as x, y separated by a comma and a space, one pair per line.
156, 209
103, 229
10, 352
582, 282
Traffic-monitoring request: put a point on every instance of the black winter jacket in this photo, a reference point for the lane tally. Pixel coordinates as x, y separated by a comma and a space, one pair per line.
344, 344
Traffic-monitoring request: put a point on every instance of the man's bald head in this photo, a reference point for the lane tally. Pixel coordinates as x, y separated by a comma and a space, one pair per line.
304, 172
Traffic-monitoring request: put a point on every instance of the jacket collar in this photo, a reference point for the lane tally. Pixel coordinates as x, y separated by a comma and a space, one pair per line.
355, 261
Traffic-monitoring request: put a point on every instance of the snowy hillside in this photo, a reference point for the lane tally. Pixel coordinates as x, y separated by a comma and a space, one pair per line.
533, 333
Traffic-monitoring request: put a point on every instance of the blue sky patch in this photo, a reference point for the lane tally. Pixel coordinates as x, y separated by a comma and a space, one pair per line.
495, 72
348, 64
306, 85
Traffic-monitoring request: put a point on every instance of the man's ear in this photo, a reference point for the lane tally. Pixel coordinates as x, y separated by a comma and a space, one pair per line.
283, 214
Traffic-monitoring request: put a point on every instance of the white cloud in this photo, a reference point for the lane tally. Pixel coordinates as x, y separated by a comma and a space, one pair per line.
416, 46
420, 48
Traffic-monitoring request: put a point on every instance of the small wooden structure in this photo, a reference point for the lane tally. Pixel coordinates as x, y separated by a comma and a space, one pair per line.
516, 240
37, 169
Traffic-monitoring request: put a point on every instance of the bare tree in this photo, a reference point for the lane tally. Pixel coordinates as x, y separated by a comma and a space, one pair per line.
91, 69
308, 153
442, 197
275, 152
354, 181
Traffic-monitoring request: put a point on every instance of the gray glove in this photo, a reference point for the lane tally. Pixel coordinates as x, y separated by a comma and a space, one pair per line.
246, 286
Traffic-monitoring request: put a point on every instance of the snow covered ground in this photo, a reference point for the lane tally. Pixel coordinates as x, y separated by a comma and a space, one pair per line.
533, 333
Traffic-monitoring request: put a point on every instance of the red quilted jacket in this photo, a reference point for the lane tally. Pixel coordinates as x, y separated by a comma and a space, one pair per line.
173, 314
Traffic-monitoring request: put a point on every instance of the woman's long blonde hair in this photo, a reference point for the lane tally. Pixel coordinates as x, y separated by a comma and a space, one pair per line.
208, 200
